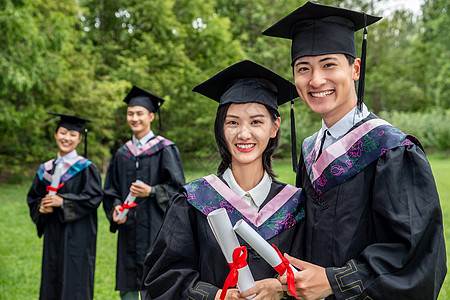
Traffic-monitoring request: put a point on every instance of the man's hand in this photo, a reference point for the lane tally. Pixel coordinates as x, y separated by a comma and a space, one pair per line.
140, 189
116, 213
311, 282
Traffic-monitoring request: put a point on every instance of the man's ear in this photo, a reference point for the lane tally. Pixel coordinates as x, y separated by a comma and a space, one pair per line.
152, 116
356, 69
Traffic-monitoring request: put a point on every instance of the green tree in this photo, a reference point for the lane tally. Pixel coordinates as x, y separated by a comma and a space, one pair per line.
435, 50
166, 47
34, 36
81, 57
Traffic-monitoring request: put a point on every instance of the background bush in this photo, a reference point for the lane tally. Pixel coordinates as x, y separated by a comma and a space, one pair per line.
431, 128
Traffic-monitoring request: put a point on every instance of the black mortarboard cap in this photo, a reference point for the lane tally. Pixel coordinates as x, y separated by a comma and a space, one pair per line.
70, 122
139, 97
317, 29
245, 82
73, 123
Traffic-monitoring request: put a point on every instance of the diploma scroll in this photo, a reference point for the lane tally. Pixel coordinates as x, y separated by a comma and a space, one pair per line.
259, 244
271, 254
128, 201
226, 238
56, 178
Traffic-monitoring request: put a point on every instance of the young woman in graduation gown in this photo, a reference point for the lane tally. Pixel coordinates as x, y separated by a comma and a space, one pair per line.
186, 261
68, 218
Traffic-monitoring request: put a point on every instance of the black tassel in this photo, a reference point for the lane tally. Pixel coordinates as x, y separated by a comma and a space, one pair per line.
362, 73
159, 117
85, 142
293, 139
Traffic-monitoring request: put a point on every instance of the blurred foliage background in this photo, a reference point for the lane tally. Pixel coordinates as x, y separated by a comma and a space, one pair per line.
82, 56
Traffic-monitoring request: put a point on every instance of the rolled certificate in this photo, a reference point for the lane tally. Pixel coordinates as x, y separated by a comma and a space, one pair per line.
259, 244
226, 238
56, 178
127, 203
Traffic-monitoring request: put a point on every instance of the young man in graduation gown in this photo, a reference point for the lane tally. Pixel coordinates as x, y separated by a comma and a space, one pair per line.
186, 261
373, 220
66, 214
156, 162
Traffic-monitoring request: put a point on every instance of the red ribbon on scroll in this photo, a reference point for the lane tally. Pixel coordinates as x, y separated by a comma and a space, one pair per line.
50, 188
282, 268
239, 261
127, 206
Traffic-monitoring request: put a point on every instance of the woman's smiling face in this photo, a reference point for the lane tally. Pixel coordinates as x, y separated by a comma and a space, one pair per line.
247, 130
67, 140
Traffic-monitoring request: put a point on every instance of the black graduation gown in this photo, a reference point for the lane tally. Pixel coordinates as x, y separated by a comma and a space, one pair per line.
186, 261
163, 171
379, 234
70, 236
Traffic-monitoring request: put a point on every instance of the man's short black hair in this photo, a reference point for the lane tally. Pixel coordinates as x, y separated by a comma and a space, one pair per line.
350, 59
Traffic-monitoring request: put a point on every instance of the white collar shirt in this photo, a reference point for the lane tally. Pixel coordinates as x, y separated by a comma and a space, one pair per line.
63, 159
338, 130
254, 197
141, 142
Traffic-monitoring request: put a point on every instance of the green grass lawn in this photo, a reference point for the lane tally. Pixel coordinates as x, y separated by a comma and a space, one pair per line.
441, 171
21, 249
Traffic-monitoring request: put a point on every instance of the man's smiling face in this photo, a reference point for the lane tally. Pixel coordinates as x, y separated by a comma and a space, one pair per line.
326, 84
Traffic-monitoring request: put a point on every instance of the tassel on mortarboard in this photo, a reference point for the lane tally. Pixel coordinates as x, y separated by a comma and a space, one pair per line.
159, 116
85, 142
362, 73
293, 139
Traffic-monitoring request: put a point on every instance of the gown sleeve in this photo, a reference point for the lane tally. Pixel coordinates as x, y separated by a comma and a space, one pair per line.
171, 267
111, 192
35, 194
83, 203
172, 176
408, 259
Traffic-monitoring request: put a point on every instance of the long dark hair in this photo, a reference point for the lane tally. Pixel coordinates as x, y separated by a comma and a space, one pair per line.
223, 147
